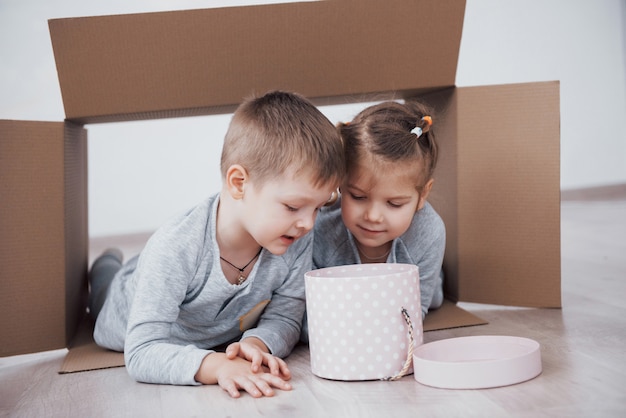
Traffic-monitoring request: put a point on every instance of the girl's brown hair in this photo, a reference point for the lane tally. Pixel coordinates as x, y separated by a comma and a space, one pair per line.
385, 131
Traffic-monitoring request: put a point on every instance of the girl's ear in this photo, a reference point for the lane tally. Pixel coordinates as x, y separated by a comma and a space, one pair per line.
425, 192
236, 177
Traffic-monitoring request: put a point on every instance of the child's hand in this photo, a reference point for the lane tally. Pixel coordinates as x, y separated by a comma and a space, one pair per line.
253, 350
235, 374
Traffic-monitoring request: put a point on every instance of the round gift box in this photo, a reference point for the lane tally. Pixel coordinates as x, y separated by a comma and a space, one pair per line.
356, 327
477, 362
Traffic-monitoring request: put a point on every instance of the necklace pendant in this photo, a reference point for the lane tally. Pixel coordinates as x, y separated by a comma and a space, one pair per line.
241, 279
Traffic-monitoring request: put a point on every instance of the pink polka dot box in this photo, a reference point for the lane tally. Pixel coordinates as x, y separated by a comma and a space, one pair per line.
364, 320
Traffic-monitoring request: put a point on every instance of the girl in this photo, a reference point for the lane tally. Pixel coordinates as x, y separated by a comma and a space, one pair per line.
382, 214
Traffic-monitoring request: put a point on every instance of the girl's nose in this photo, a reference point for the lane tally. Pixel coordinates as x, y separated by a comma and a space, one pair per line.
373, 214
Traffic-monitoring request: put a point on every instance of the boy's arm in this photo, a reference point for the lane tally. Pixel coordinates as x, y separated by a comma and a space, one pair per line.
162, 276
281, 322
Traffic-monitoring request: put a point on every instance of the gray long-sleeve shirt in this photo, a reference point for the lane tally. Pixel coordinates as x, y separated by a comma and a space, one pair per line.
423, 245
168, 307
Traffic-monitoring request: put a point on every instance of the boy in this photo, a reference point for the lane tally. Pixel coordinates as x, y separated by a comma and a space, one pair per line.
231, 270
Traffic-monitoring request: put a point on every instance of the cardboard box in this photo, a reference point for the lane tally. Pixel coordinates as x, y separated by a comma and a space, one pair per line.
497, 186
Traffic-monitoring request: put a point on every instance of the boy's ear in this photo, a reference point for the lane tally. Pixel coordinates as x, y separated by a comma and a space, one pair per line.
236, 177
425, 192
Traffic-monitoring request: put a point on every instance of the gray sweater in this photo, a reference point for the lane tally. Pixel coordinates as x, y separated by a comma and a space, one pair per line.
423, 244
170, 306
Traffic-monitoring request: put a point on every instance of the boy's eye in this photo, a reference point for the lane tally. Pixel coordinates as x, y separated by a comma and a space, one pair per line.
291, 208
395, 205
356, 197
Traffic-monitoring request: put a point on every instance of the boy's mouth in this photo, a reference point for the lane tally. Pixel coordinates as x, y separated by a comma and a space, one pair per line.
287, 239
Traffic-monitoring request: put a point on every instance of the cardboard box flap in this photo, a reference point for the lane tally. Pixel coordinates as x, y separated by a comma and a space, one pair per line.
43, 189
499, 195
168, 64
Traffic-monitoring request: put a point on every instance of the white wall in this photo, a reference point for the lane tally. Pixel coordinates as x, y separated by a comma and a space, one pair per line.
581, 43
141, 173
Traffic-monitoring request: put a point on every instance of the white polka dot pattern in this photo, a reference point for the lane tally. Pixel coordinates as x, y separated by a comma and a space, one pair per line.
356, 327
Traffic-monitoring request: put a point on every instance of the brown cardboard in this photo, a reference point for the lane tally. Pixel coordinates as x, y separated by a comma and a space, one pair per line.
180, 63
449, 315
497, 185
43, 250
84, 354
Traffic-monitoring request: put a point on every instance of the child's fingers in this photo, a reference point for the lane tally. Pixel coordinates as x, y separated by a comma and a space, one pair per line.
274, 381
272, 364
262, 386
232, 350
284, 370
237, 383
231, 388
256, 385
277, 366
257, 361
254, 390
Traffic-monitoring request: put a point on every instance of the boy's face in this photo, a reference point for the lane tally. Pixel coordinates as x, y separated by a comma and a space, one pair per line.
378, 204
283, 210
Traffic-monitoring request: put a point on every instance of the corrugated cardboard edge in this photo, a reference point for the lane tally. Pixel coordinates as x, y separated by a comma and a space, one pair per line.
85, 355
449, 315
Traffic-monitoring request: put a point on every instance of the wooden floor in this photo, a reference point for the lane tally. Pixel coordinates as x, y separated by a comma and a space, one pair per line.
583, 349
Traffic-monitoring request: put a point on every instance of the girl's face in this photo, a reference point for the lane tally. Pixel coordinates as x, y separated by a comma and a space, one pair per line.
378, 203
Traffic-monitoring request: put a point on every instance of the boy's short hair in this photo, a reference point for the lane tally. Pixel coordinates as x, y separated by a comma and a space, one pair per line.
279, 131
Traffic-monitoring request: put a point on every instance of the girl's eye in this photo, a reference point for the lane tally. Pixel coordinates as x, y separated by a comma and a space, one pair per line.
395, 205
291, 208
356, 197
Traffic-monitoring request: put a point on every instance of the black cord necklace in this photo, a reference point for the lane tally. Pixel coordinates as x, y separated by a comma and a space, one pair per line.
242, 278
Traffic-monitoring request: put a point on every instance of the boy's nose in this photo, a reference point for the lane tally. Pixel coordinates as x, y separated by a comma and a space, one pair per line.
306, 222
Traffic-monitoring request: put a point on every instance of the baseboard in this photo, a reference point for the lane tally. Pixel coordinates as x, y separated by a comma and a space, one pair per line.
609, 192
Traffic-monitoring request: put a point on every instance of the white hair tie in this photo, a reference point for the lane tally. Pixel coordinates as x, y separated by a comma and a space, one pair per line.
417, 131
